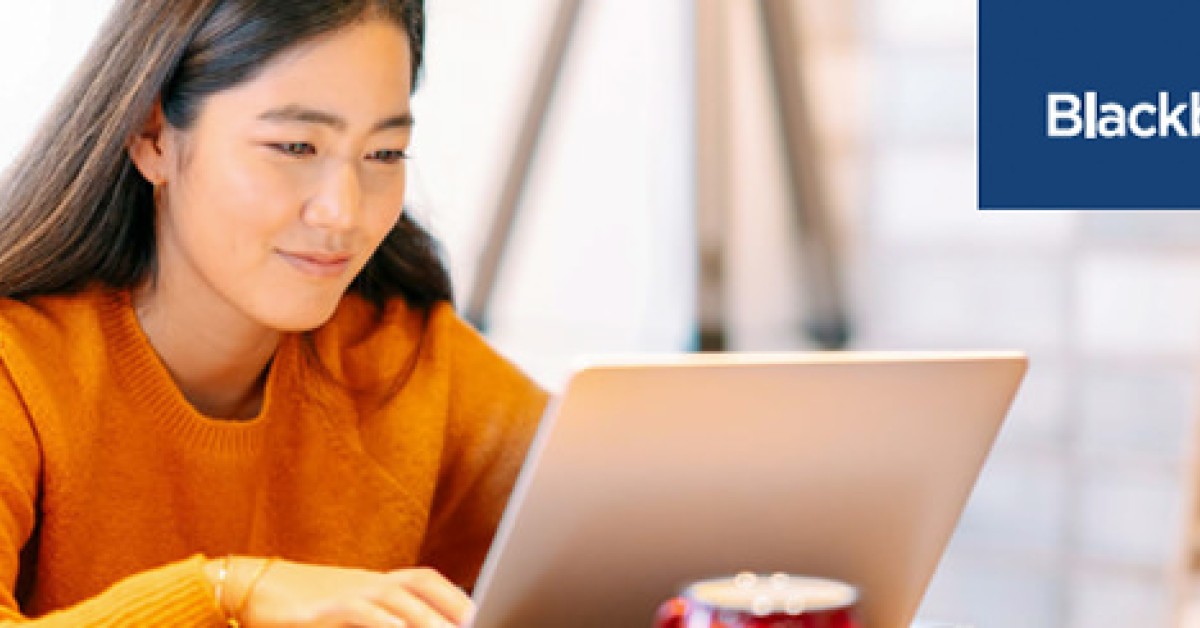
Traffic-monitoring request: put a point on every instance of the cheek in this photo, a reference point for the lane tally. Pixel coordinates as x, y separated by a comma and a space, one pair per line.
380, 220
242, 204
386, 204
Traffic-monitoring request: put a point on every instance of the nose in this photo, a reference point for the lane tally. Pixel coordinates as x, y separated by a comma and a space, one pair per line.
336, 206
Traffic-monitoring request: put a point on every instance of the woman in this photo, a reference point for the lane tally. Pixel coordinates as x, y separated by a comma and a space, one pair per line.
233, 389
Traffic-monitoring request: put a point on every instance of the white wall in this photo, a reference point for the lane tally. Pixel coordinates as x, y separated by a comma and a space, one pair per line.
602, 259
40, 43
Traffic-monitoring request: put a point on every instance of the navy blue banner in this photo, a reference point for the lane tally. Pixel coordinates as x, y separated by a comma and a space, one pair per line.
1089, 104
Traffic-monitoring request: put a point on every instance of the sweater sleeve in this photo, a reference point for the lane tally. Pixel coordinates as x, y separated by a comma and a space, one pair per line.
494, 412
177, 594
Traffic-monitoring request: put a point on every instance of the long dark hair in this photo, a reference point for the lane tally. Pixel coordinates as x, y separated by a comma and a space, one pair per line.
73, 208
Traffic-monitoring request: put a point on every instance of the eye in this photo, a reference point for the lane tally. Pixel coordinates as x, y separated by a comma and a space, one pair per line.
389, 156
295, 149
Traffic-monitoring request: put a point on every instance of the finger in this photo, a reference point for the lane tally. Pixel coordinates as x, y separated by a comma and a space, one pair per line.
363, 614
413, 610
436, 591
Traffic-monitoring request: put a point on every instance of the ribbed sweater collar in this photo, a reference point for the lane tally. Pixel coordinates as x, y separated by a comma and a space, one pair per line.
151, 388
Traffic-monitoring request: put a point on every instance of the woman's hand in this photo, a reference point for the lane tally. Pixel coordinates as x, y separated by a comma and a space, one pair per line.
298, 594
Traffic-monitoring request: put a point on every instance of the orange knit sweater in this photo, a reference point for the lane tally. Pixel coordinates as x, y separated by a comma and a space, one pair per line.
380, 445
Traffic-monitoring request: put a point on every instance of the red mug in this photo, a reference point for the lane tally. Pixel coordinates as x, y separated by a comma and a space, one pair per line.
752, 601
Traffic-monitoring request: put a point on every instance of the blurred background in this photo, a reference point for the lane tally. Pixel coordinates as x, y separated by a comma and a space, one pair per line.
1083, 517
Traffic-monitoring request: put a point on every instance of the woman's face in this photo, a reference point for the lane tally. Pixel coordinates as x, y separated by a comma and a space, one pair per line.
285, 185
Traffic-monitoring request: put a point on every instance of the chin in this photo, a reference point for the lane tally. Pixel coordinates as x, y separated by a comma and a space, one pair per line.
297, 317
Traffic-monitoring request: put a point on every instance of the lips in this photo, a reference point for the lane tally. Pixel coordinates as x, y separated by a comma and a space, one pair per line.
320, 265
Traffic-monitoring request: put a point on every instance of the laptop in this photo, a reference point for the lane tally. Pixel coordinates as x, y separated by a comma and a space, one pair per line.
651, 472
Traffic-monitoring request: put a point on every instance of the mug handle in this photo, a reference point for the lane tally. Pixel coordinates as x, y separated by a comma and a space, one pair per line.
672, 613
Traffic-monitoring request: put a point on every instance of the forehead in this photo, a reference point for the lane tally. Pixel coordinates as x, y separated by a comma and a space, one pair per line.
361, 72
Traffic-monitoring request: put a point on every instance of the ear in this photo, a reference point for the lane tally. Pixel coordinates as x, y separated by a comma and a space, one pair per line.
147, 147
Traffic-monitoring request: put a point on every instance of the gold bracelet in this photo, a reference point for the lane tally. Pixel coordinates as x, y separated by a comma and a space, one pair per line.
232, 621
222, 575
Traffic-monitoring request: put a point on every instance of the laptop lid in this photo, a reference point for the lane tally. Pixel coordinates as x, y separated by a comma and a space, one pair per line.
648, 473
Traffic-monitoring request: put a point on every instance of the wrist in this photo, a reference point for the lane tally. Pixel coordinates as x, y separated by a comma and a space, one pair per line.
251, 576
227, 579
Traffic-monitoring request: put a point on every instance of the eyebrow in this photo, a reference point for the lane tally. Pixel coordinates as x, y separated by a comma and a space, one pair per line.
296, 113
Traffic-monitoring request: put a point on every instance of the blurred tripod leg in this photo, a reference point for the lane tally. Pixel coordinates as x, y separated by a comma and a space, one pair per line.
712, 170
826, 318
504, 213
